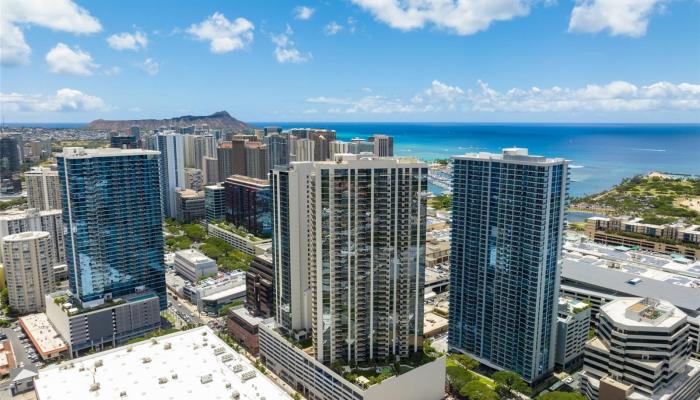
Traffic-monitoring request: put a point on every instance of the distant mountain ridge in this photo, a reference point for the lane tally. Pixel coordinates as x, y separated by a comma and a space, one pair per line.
218, 120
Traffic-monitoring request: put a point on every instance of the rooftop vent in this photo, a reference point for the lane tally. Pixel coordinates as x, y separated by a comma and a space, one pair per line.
206, 379
95, 387
162, 380
122, 394
146, 360
98, 363
174, 376
167, 346
247, 375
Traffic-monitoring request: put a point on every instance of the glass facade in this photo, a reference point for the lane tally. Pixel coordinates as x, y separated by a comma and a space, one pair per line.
249, 204
214, 203
113, 223
506, 243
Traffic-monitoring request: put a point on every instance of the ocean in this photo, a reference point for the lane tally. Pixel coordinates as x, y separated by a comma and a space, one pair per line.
601, 154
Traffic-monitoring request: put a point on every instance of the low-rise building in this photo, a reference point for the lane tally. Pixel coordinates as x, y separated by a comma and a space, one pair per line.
213, 293
437, 252
192, 364
246, 243
109, 323
244, 327
47, 341
7, 357
193, 265
314, 380
434, 324
573, 323
642, 348
674, 238
22, 379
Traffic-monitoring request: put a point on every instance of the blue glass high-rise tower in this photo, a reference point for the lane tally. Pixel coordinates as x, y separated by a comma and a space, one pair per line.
113, 222
507, 224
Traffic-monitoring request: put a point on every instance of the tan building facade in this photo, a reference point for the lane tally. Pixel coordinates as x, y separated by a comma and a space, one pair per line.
27, 258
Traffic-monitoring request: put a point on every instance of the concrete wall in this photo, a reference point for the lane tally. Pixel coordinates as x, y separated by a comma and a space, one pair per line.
426, 382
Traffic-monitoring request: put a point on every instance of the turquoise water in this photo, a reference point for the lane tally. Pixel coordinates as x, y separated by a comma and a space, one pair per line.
601, 155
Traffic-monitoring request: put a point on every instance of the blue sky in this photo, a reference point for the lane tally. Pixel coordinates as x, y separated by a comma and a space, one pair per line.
353, 60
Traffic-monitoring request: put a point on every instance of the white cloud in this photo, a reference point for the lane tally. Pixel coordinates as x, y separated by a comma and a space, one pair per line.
462, 17
64, 100
149, 66
58, 15
112, 71
620, 17
65, 60
285, 50
223, 35
332, 28
303, 13
128, 41
442, 92
616, 96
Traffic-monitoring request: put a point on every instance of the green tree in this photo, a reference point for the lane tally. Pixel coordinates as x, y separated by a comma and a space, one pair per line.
457, 376
508, 382
466, 361
561, 396
195, 232
211, 250
476, 390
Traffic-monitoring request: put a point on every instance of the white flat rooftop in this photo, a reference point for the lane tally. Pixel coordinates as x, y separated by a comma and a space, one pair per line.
191, 360
43, 334
626, 310
193, 256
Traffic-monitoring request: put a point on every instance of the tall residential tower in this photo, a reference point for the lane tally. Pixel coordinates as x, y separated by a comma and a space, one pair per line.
112, 214
349, 254
507, 224
172, 170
